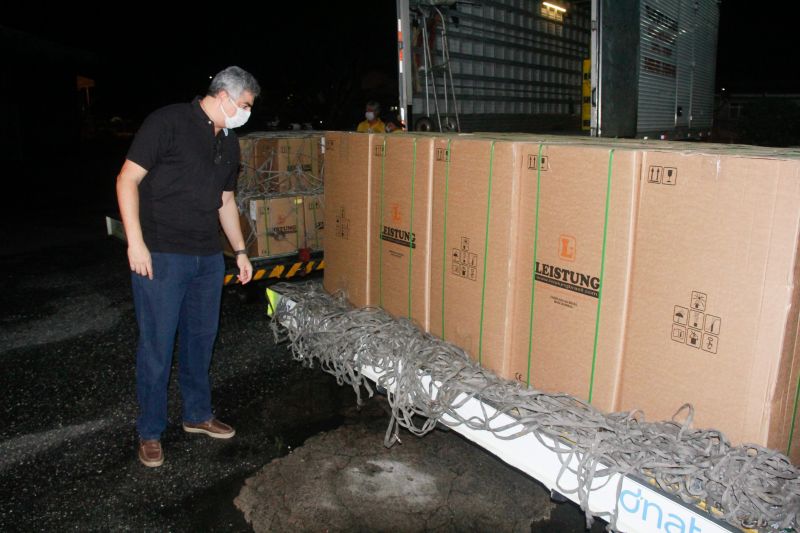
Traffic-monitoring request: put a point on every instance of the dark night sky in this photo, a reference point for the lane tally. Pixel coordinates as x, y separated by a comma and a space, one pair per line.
316, 52
755, 49
328, 56
316, 61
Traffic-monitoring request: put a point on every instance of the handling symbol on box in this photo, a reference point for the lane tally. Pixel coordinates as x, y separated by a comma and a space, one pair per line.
713, 324
710, 343
654, 175
670, 176
699, 301
695, 319
456, 255
465, 244
678, 333
680, 315
694, 339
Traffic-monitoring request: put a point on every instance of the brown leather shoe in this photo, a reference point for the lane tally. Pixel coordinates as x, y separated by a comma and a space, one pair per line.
150, 452
213, 428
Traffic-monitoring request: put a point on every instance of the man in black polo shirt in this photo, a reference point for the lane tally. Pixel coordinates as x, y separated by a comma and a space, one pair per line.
175, 189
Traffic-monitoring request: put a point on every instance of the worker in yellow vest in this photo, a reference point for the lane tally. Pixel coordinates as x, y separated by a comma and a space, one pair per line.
372, 122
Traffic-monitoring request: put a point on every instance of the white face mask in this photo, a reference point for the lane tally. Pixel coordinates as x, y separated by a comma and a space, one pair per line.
238, 119
370, 115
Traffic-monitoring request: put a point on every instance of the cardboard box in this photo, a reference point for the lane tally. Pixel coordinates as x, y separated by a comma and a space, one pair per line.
401, 220
475, 187
278, 225
288, 163
577, 216
314, 221
348, 214
271, 227
679, 280
714, 297
247, 164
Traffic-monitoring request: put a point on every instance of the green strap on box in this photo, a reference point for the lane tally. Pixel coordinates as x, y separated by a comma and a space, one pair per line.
313, 208
298, 204
794, 416
602, 273
380, 229
448, 158
486, 252
602, 268
535, 251
411, 228
267, 224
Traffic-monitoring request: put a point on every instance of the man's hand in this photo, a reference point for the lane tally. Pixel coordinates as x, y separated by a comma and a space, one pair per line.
128, 182
140, 260
245, 269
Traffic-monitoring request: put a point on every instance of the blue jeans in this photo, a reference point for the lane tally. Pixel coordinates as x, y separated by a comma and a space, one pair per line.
184, 297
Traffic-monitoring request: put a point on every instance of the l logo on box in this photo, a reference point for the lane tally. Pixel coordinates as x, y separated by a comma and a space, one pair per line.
396, 215
566, 247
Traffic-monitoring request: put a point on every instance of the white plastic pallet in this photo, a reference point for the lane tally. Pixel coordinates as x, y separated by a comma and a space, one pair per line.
641, 507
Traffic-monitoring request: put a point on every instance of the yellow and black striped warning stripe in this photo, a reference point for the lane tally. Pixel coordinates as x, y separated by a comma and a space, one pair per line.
282, 271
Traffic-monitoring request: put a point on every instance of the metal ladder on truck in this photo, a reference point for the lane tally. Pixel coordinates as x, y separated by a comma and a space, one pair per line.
424, 16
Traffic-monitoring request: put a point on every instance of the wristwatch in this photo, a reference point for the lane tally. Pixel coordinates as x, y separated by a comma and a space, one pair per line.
240, 252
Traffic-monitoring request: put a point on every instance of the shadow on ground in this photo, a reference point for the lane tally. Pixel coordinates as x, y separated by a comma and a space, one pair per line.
67, 445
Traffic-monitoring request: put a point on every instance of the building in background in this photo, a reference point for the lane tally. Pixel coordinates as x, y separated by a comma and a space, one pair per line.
770, 118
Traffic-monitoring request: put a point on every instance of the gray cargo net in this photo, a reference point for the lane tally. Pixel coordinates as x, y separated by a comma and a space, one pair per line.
270, 180
751, 486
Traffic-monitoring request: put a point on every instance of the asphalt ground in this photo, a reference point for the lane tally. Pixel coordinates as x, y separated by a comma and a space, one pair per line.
67, 444
67, 447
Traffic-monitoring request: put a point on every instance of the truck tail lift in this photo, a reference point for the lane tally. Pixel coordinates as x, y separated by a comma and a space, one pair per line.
270, 269
555, 446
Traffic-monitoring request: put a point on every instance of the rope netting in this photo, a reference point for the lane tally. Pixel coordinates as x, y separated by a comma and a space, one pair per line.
290, 167
748, 486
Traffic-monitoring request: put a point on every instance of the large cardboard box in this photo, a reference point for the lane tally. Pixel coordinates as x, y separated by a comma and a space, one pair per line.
287, 162
401, 220
475, 188
271, 227
278, 225
314, 221
347, 211
247, 164
576, 229
714, 297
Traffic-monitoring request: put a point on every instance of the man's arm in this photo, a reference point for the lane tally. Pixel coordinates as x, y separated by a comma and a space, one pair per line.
229, 220
128, 182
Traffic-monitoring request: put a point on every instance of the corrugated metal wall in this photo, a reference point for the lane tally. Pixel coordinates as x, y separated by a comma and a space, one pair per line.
509, 64
676, 68
705, 57
658, 65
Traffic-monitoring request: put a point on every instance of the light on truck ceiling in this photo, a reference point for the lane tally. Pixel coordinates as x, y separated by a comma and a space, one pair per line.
553, 6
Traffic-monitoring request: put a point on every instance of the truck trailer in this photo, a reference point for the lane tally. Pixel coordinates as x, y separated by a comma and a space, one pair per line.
627, 68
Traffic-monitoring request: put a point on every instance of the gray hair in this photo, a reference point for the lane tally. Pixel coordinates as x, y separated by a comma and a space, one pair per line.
374, 105
234, 80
